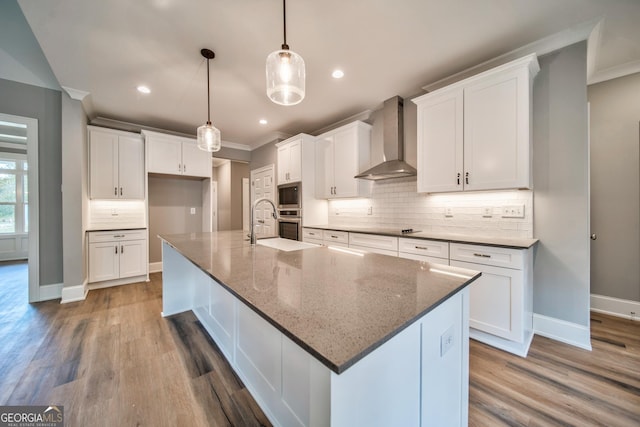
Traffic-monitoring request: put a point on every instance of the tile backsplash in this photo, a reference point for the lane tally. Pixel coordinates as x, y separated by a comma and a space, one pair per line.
397, 204
113, 214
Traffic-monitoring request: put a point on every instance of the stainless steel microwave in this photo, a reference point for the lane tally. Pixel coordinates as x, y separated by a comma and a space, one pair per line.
290, 196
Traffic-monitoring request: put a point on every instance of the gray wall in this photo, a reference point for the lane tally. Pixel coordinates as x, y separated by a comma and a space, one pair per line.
561, 199
233, 154
75, 200
45, 105
615, 187
223, 176
264, 156
238, 171
170, 200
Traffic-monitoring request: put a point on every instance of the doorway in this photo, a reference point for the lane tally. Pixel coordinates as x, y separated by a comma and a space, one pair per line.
263, 185
19, 195
229, 176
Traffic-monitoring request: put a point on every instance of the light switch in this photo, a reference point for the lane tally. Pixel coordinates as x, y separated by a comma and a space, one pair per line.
513, 211
448, 212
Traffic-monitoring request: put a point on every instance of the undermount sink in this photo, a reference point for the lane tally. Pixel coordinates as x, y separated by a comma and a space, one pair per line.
286, 245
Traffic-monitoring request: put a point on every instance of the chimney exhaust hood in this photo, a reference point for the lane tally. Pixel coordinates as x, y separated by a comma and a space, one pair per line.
394, 165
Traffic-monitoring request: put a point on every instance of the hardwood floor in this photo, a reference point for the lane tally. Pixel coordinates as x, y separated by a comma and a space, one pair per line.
113, 360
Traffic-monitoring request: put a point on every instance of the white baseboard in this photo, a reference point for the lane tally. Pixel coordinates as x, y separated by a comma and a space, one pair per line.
74, 293
49, 292
117, 282
563, 331
155, 267
615, 307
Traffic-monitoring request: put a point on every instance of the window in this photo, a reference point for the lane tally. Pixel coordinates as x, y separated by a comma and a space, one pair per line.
14, 194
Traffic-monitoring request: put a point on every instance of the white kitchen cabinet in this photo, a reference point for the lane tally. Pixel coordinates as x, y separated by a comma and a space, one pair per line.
501, 300
116, 164
290, 160
340, 155
312, 235
118, 254
476, 133
376, 243
434, 251
168, 154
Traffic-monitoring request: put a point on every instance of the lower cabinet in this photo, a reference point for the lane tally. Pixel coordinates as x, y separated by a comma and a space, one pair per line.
385, 245
501, 300
434, 251
115, 255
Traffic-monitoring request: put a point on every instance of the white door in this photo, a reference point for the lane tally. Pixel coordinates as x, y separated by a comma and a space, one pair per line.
263, 186
214, 206
324, 168
246, 201
130, 167
295, 160
103, 168
345, 163
103, 261
195, 162
133, 258
284, 157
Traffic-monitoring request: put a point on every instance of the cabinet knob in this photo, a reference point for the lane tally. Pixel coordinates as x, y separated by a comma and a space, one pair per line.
594, 236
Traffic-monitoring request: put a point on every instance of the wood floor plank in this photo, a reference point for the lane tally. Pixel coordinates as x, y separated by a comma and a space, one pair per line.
113, 360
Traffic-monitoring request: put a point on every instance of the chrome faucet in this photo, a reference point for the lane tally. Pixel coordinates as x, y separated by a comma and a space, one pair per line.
252, 236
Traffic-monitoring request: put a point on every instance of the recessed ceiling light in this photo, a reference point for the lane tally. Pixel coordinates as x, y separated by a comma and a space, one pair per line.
143, 89
263, 121
337, 74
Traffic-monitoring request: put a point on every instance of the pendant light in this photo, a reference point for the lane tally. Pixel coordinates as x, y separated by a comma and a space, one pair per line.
285, 72
208, 135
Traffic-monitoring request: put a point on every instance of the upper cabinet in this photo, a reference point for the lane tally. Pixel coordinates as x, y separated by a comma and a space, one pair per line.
476, 133
116, 164
176, 155
340, 155
290, 160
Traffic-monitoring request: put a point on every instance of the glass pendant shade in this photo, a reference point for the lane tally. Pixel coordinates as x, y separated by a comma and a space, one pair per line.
285, 77
209, 138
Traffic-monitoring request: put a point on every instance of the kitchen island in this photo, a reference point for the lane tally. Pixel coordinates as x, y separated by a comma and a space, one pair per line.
328, 336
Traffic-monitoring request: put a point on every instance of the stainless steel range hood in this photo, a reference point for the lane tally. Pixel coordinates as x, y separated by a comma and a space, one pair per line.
394, 165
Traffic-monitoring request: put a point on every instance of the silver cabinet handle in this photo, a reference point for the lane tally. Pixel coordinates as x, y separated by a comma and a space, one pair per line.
121, 191
121, 249
115, 191
594, 236
184, 168
334, 237
179, 167
424, 248
458, 178
466, 178
482, 255
312, 234
116, 249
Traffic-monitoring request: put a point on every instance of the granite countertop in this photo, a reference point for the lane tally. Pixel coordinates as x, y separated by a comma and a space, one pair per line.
337, 306
115, 229
503, 242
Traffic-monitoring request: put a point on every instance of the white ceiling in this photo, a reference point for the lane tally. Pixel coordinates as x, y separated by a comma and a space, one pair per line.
386, 48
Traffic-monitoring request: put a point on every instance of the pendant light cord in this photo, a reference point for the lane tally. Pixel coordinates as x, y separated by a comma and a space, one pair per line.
208, 96
284, 20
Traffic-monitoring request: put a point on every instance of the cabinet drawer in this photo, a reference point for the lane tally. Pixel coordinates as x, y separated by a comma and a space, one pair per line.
424, 258
432, 248
116, 235
387, 243
311, 233
330, 236
488, 255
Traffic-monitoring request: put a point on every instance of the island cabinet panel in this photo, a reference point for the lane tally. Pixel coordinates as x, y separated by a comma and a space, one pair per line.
222, 311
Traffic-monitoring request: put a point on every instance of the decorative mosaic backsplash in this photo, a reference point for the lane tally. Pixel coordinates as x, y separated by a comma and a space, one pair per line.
396, 204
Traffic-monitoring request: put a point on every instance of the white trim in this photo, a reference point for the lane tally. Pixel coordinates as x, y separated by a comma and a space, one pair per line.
76, 94
52, 291
519, 349
155, 267
118, 282
615, 307
563, 331
614, 72
235, 145
540, 47
34, 214
74, 293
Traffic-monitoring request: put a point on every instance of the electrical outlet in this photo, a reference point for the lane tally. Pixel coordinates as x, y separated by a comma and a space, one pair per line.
448, 212
513, 211
193, 211
114, 212
446, 341
370, 210
487, 212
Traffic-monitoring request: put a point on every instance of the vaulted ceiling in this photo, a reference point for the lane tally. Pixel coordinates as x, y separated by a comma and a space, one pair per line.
384, 47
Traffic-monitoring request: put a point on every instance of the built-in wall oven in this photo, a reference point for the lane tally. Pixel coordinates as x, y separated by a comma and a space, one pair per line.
290, 196
290, 224
290, 211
